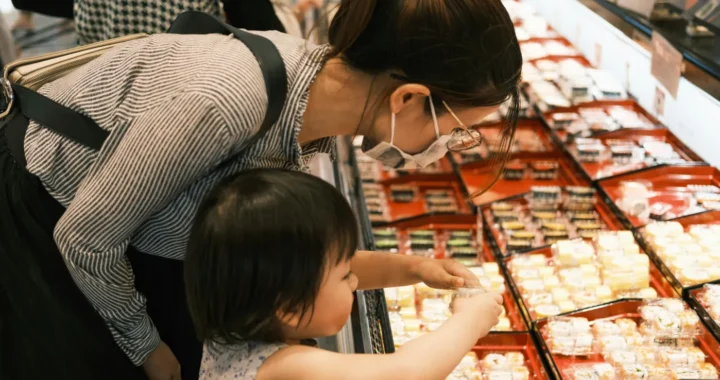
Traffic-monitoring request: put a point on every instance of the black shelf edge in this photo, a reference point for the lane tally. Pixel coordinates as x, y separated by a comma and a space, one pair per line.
705, 58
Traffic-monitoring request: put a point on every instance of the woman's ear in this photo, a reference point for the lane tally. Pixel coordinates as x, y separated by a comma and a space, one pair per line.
406, 95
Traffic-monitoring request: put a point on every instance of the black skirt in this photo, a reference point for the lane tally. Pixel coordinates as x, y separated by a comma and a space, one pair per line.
48, 329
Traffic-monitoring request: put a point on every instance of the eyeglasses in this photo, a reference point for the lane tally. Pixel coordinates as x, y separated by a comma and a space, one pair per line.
462, 137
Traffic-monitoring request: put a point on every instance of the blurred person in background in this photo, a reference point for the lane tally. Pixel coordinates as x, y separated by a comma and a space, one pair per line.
8, 49
99, 20
25, 25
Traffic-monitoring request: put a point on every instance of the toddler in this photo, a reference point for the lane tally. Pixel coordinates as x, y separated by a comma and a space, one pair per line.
269, 267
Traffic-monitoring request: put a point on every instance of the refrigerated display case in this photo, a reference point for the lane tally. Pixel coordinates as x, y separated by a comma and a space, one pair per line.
593, 130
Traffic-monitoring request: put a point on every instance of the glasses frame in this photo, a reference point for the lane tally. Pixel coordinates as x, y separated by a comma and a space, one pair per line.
462, 138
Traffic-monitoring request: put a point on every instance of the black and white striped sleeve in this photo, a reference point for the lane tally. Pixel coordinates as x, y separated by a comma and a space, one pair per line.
160, 153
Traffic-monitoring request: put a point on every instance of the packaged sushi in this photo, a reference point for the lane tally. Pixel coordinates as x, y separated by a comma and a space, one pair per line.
544, 170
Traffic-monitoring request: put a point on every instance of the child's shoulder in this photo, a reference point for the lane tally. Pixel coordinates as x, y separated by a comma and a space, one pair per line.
237, 361
293, 362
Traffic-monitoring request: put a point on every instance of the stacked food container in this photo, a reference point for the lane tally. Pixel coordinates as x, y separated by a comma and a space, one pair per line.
602, 233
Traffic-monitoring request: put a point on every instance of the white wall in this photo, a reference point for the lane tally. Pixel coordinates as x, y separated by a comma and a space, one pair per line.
6, 6
694, 116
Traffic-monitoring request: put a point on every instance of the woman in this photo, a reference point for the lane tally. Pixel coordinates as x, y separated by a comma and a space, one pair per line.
98, 20
408, 76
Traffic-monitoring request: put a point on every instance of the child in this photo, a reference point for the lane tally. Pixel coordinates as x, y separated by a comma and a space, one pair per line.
268, 267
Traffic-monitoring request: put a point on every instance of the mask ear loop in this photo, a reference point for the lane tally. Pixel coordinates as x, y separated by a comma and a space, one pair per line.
434, 115
392, 128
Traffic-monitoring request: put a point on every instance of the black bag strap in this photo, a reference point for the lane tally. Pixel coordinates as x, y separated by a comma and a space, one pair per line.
85, 131
265, 52
61, 119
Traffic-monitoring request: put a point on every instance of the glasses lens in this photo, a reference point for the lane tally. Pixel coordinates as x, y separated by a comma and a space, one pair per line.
464, 139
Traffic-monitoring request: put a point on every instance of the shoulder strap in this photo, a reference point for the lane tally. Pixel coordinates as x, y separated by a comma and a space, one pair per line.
85, 131
265, 52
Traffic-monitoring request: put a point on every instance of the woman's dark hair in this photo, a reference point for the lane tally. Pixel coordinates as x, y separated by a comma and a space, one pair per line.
465, 51
260, 244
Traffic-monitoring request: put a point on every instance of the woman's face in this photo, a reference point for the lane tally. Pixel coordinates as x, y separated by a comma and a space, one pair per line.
414, 125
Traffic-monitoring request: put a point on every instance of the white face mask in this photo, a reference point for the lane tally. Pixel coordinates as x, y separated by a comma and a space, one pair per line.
393, 157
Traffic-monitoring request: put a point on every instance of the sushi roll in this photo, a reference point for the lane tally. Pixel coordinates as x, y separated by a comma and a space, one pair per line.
580, 198
461, 234
544, 195
552, 237
564, 120
514, 171
622, 153
522, 235
581, 193
403, 198
438, 194
463, 252
506, 216
387, 233
512, 226
459, 242
544, 170
376, 210
518, 245
422, 234
374, 202
444, 209
440, 202
589, 153
590, 229
583, 217
402, 190
501, 206
422, 244
387, 244
544, 216
553, 226
402, 193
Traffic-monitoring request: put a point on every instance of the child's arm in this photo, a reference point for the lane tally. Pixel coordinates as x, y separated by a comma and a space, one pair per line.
378, 270
432, 356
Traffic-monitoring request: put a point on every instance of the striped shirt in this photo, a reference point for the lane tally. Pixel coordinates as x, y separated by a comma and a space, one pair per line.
178, 109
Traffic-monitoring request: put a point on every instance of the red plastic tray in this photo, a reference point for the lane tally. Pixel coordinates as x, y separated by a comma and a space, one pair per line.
657, 282
621, 309
475, 176
597, 170
512, 309
558, 58
693, 299
530, 136
604, 104
606, 216
399, 212
443, 171
668, 182
711, 217
513, 342
578, 55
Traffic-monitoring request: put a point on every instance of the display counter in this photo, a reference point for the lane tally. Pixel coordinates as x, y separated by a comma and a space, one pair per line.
575, 233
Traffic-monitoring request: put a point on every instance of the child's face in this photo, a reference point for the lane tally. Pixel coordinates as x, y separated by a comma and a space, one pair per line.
332, 307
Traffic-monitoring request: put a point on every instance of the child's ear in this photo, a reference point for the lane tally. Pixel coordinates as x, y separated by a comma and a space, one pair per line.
290, 319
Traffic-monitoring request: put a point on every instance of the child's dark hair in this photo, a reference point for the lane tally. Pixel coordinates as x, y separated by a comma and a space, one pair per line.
261, 243
465, 51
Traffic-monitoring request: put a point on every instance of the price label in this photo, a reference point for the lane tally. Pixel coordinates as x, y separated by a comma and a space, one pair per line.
659, 102
642, 7
666, 64
598, 54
